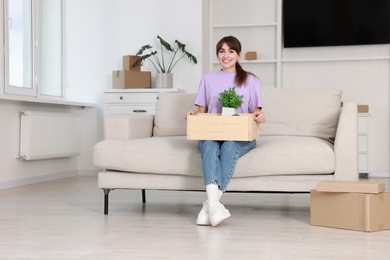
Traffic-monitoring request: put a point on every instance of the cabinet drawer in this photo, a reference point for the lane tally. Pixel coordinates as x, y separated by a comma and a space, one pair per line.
362, 124
363, 143
363, 163
129, 109
130, 98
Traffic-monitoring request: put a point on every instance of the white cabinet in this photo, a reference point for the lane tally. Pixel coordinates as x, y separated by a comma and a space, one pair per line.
363, 142
132, 101
257, 24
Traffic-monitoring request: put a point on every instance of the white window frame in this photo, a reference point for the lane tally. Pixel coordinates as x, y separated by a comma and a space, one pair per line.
35, 91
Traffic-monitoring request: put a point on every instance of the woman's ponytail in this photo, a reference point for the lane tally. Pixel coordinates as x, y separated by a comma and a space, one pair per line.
241, 75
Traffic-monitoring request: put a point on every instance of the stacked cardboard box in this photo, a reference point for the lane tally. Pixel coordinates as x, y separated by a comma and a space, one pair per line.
209, 126
130, 77
358, 205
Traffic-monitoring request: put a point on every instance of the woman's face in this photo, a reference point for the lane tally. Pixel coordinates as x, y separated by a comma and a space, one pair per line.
228, 58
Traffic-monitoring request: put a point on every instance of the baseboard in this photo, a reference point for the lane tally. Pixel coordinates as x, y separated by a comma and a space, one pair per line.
379, 175
37, 179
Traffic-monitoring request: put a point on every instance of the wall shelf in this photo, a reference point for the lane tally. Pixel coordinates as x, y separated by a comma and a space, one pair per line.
336, 59
244, 25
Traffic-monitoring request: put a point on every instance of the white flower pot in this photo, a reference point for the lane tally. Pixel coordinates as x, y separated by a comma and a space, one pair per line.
164, 80
228, 111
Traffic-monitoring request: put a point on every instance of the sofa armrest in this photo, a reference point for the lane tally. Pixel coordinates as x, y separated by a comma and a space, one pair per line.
346, 144
128, 126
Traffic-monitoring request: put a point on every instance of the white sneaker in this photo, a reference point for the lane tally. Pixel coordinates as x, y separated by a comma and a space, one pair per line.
203, 216
217, 213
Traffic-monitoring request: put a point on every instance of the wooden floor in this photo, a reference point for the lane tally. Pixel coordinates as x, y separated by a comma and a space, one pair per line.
64, 219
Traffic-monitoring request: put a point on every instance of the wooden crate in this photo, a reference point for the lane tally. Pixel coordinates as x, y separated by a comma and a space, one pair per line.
205, 126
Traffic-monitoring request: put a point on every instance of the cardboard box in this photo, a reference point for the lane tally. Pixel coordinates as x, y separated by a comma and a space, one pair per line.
353, 211
363, 109
131, 79
373, 187
207, 126
251, 55
128, 61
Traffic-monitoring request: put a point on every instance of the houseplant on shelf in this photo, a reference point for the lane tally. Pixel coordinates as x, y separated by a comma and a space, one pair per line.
230, 101
162, 63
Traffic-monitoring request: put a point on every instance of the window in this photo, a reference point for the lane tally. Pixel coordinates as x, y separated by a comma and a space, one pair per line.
33, 47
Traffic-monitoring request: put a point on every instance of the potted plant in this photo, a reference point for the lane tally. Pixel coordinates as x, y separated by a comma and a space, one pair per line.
230, 101
162, 63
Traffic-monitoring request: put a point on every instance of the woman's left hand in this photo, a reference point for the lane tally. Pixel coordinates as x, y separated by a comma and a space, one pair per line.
259, 116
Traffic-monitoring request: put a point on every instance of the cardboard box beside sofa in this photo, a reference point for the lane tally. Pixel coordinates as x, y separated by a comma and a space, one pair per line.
360, 205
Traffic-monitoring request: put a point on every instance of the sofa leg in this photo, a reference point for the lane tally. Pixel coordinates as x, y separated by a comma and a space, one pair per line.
143, 196
106, 192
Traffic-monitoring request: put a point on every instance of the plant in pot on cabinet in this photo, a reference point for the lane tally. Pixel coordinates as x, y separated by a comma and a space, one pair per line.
230, 101
164, 63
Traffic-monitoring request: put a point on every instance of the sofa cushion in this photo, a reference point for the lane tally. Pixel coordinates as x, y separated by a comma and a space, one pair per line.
300, 112
170, 113
161, 155
274, 155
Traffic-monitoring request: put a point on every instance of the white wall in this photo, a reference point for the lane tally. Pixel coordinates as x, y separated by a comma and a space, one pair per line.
99, 33
14, 172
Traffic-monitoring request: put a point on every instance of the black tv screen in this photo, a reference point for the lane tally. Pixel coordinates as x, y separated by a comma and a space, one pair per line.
309, 23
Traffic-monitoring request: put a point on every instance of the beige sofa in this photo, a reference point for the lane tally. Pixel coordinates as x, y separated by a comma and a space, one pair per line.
308, 137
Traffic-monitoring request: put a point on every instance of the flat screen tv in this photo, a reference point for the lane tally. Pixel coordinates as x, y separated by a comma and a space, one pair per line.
309, 23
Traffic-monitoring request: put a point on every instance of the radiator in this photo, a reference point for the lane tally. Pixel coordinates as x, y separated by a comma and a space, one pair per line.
45, 135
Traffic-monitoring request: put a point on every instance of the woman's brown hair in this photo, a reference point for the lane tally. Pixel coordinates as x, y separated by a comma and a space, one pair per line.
234, 44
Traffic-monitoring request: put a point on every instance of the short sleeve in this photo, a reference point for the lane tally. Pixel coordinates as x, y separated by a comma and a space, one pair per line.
201, 99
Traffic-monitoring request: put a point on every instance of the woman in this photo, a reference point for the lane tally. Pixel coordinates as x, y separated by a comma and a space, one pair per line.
219, 158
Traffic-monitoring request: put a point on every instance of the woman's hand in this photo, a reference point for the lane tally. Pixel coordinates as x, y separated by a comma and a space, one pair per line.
200, 110
259, 116
190, 113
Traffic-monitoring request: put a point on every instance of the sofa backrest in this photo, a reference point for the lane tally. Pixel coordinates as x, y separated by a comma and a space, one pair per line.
288, 111
171, 109
301, 112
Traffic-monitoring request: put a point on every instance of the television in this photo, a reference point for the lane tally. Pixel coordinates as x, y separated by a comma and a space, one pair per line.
311, 23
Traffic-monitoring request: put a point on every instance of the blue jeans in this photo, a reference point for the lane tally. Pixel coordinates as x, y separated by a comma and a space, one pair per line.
219, 159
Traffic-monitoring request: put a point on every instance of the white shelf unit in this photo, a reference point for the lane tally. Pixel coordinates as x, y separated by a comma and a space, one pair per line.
364, 142
260, 31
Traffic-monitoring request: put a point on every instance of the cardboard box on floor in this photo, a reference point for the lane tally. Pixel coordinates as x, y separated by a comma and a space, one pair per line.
351, 210
209, 126
374, 187
122, 79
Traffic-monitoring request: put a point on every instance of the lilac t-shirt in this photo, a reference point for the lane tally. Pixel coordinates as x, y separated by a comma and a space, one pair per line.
215, 82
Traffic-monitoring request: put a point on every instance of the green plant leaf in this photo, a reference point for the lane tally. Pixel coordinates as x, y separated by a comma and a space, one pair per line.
143, 48
191, 57
140, 61
182, 47
165, 44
